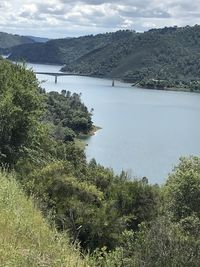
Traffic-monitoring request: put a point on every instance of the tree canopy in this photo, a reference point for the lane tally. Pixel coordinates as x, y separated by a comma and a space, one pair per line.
20, 108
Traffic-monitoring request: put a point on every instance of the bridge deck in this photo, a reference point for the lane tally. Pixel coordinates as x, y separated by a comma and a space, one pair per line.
58, 73
66, 74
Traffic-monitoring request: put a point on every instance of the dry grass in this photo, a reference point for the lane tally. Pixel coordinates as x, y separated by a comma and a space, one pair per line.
25, 237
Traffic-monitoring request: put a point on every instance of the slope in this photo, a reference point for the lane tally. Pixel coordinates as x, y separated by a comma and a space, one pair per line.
60, 51
9, 40
25, 237
157, 53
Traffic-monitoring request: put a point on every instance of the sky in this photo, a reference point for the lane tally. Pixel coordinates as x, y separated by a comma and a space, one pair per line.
64, 18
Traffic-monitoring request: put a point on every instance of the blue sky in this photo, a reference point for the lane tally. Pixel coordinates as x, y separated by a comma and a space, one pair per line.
64, 18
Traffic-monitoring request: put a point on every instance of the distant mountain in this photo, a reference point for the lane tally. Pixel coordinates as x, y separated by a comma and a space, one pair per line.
9, 40
168, 57
39, 39
61, 51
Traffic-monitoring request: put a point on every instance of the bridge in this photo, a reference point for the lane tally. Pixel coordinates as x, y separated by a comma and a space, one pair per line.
56, 74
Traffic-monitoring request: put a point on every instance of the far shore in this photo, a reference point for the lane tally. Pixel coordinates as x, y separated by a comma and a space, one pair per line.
96, 128
172, 89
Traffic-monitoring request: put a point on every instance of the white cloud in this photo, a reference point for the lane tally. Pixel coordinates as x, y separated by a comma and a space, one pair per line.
60, 18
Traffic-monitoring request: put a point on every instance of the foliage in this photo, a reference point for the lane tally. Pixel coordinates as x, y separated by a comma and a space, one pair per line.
92, 211
20, 109
25, 237
137, 201
172, 239
162, 244
121, 221
183, 189
28, 116
66, 111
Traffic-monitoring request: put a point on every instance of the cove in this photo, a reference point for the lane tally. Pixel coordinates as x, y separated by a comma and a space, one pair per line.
144, 131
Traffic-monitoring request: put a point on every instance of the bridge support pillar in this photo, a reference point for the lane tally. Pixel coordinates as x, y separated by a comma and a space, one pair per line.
113, 82
56, 78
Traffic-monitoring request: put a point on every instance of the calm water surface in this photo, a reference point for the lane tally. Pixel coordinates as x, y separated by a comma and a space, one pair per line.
143, 131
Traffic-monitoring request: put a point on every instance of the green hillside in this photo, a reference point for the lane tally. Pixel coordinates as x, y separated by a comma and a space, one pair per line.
25, 237
9, 40
60, 51
159, 58
171, 55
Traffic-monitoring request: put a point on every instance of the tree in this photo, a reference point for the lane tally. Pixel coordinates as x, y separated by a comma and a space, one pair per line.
20, 110
183, 189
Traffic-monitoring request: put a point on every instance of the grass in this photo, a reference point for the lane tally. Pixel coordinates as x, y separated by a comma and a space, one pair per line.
25, 237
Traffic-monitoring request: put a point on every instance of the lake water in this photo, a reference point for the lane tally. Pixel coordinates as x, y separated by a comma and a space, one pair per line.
144, 132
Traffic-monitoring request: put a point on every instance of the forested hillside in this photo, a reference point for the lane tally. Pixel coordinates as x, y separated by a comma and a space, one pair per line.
9, 40
115, 219
38, 39
60, 51
159, 58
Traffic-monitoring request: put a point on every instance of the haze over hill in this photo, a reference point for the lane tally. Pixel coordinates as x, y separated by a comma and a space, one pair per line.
170, 54
39, 39
8, 41
61, 51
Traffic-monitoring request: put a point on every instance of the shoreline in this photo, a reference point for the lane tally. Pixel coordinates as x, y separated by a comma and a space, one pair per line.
92, 132
81, 139
170, 89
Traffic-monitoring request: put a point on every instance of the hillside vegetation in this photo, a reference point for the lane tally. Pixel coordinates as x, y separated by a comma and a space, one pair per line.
116, 220
9, 40
25, 237
60, 51
159, 58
